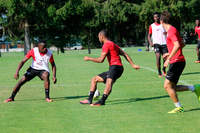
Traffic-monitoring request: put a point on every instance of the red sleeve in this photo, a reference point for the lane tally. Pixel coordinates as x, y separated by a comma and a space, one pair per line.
30, 54
51, 60
105, 48
150, 30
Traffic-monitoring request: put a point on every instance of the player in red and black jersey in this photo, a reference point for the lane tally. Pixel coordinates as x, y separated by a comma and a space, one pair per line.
112, 52
177, 64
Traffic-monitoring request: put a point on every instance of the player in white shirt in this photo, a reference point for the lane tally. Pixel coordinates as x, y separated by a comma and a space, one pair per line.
41, 57
157, 39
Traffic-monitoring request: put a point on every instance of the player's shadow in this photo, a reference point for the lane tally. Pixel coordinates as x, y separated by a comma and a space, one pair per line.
191, 73
68, 98
56, 98
196, 109
130, 100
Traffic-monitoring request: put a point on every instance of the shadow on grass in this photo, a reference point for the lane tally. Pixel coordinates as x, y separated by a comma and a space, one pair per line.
68, 97
130, 100
191, 73
55, 98
196, 109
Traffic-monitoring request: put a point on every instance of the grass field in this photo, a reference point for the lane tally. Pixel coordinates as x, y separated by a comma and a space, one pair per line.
137, 104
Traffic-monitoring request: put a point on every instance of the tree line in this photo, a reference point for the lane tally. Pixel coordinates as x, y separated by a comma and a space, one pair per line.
66, 21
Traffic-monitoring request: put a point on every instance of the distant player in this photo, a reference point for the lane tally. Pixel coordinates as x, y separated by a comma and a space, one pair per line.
112, 52
197, 32
177, 64
158, 35
41, 58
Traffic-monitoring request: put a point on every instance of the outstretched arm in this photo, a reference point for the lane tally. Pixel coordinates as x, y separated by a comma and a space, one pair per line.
128, 58
97, 60
16, 76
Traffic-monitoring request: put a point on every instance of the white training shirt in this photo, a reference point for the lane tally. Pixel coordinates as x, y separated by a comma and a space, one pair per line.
40, 61
158, 34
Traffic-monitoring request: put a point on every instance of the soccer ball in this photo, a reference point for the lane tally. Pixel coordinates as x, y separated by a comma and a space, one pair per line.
96, 94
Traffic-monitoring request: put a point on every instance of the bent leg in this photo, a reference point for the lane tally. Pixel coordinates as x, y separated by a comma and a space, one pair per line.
17, 87
107, 91
45, 77
94, 82
93, 88
170, 87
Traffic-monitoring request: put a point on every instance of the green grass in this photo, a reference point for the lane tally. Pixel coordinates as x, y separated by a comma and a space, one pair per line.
138, 102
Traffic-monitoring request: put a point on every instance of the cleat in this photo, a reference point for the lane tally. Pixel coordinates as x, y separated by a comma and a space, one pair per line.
85, 102
99, 103
49, 100
9, 100
197, 61
176, 110
197, 91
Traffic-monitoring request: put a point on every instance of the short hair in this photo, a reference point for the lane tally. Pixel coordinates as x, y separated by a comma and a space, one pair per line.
156, 13
104, 32
42, 41
165, 17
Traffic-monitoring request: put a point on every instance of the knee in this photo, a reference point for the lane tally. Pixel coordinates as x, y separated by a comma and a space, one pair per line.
166, 87
45, 75
24, 79
94, 79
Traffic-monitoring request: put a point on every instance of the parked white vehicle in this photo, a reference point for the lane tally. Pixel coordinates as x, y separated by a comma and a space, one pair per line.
77, 46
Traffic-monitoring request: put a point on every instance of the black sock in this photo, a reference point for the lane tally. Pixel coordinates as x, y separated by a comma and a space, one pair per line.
159, 72
103, 99
47, 93
91, 96
164, 69
13, 95
198, 57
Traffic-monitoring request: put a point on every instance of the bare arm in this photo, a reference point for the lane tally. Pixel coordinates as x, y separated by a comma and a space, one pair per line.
149, 40
174, 51
96, 60
128, 58
16, 76
54, 72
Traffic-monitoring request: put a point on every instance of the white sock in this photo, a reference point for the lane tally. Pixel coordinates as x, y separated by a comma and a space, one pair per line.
178, 104
191, 88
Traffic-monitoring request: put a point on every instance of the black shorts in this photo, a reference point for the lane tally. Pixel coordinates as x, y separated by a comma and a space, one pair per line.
31, 73
162, 49
175, 71
114, 73
198, 44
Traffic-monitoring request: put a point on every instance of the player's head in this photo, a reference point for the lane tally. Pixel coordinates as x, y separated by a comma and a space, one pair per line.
197, 22
103, 35
42, 46
165, 17
156, 17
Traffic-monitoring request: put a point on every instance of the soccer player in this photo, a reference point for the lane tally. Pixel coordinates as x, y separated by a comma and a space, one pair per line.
177, 64
197, 31
41, 58
112, 52
158, 35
